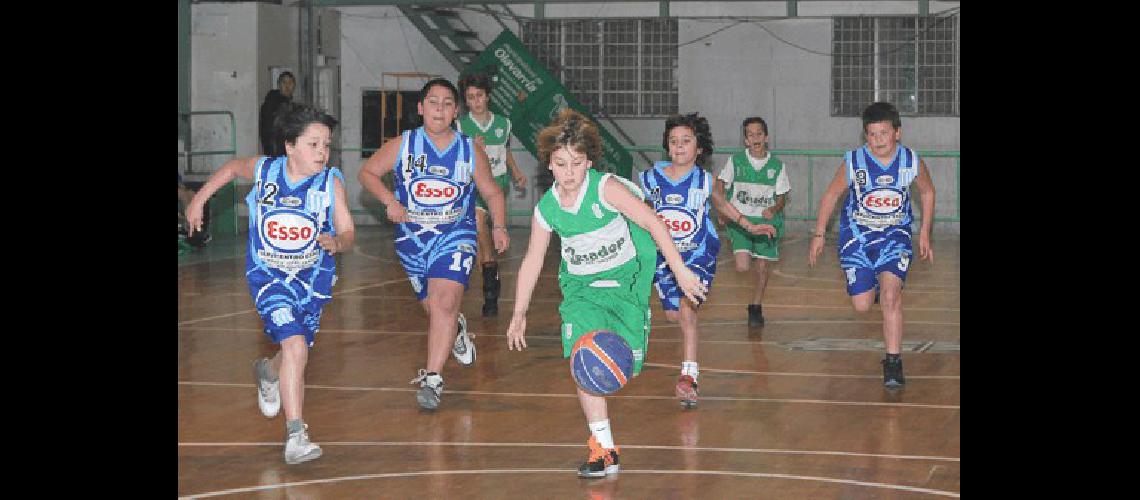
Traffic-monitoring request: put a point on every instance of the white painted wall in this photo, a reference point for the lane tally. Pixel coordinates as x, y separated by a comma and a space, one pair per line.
232, 48
223, 48
741, 71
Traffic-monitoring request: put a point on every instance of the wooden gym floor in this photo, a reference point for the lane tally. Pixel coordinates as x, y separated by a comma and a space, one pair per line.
796, 409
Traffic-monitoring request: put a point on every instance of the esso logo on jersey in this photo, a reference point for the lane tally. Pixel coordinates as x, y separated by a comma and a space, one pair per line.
434, 192
680, 222
288, 231
883, 201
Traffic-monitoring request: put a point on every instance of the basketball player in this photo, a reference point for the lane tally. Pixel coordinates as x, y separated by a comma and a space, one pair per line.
679, 190
875, 225
493, 133
436, 170
758, 186
298, 218
608, 260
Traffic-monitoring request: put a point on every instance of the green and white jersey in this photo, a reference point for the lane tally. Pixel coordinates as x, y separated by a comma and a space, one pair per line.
496, 135
599, 245
752, 185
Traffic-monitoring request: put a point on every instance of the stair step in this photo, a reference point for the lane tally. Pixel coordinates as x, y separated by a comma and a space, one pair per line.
437, 11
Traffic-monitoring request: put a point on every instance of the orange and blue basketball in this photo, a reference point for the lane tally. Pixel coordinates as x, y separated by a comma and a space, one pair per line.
601, 362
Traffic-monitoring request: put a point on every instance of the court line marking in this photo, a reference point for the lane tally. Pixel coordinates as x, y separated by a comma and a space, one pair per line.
777, 272
575, 395
767, 305
801, 374
386, 475
476, 333
357, 251
579, 445
655, 365
836, 291
247, 311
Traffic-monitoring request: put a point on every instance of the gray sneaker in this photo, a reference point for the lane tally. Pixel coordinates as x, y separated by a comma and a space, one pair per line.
431, 388
464, 348
298, 448
268, 393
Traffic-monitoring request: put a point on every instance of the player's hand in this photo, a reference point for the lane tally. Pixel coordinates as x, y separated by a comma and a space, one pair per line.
396, 213
479, 142
501, 238
814, 249
516, 332
925, 251
759, 229
520, 184
194, 214
689, 283
766, 213
328, 242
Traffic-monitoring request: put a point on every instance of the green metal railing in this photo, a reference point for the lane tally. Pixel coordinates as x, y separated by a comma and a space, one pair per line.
223, 205
810, 154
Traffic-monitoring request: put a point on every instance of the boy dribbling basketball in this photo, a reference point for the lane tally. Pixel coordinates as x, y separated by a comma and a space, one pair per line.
607, 264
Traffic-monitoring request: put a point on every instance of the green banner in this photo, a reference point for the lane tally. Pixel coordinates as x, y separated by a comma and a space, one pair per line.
524, 91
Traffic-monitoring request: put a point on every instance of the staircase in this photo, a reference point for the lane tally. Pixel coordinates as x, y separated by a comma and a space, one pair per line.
459, 44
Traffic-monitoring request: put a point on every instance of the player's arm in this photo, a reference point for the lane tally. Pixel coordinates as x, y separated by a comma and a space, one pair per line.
782, 189
781, 200
491, 193
237, 167
342, 221
826, 205
528, 274
720, 201
926, 190
516, 174
619, 197
372, 172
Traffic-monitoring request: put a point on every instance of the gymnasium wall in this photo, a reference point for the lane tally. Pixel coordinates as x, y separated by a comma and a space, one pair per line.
740, 71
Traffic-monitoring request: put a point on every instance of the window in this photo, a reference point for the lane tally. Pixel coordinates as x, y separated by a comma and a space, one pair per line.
909, 61
619, 67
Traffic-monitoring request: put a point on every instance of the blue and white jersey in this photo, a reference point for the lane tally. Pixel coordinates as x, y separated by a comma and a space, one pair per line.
285, 219
684, 206
436, 187
879, 197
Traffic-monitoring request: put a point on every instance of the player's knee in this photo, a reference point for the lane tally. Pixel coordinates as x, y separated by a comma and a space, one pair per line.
862, 304
444, 303
672, 316
890, 300
742, 267
295, 349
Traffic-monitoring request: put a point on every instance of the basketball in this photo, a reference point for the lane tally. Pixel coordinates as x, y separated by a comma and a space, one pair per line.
601, 362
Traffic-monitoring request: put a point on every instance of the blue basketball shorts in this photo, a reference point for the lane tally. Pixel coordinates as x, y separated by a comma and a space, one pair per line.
428, 251
862, 262
287, 308
703, 265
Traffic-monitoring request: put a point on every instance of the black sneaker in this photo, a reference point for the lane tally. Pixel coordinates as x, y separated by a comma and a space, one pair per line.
491, 287
893, 373
490, 309
602, 461
755, 315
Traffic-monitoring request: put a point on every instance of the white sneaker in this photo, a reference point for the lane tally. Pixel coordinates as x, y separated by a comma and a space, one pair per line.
431, 388
464, 348
298, 448
268, 393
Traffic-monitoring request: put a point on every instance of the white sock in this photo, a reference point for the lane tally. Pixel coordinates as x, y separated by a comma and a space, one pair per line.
690, 368
601, 432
